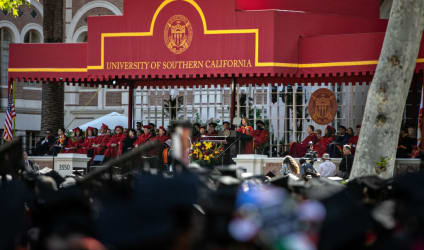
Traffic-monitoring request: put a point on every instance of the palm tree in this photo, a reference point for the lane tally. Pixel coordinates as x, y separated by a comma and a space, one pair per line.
52, 108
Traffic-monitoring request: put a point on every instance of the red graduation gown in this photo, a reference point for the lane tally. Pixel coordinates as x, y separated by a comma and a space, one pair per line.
299, 149
143, 139
87, 145
260, 138
321, 146
161, 139
353, 141
248, 145
103, 140
112, 152
73, 145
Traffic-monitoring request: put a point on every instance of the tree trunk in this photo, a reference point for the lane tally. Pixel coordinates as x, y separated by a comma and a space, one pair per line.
52, 110
376, 150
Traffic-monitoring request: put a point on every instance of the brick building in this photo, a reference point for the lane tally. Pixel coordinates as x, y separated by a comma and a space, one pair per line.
85, 104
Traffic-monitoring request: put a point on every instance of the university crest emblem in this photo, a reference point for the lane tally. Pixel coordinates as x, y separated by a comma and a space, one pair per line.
178, 34
322, 106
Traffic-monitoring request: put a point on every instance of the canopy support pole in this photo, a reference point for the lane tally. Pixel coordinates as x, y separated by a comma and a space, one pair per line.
233, 100
130, 105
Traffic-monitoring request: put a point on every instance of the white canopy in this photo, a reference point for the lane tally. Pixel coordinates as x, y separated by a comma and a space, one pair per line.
111, 120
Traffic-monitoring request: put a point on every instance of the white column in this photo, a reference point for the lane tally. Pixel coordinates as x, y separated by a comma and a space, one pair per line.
68, 18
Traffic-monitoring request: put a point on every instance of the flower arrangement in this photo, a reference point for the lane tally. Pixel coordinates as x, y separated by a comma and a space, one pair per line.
206, 153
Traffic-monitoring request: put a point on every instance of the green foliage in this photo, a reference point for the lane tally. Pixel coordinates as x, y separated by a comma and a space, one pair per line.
12, 6
381, 166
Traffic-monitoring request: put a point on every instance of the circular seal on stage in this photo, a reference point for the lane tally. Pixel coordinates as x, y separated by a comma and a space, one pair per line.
178, 34
322, 106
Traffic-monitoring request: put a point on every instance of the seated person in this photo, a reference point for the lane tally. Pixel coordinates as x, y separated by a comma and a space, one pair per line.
321, 146
162, 136
100, 143
260, 137
246, 132
412, 138
43, 146
203, 130
145, 137
114, 147
327, 168
74, 142
196, 132
152, 129
404, 148
353, 141
289, 166
212, 129
86, 146
350, 132
139, 126
61, 141
335, 148
128, 143
299, 149
226, 128
346, 164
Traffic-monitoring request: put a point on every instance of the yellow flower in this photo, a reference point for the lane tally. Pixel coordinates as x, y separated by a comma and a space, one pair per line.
207, 158
198, 144
208, 145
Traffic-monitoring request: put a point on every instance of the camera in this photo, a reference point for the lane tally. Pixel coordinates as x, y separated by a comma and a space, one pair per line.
311, 156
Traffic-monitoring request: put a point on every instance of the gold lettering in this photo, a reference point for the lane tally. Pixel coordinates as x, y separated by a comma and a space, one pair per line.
249, 64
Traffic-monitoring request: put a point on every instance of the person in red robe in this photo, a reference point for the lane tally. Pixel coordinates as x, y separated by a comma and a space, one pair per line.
323, 141
114, 147
260, 137
73, 144
353, 141
246, 132
100, 143
144, 137
89, 140
162, 137
298, 150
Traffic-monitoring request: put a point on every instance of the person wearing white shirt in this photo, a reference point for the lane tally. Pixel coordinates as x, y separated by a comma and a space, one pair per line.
327, 168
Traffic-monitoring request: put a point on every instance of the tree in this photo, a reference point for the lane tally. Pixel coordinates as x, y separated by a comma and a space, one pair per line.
52, 107
376, 150
12, 6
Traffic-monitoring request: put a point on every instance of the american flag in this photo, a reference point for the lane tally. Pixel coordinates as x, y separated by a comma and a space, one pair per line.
10, 117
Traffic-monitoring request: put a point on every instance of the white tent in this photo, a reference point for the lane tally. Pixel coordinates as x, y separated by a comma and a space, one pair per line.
111, 120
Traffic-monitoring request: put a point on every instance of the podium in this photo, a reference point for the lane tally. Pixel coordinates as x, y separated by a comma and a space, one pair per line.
230, 148
65, 164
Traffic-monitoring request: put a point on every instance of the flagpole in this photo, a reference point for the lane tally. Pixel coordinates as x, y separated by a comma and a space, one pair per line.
14, 124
